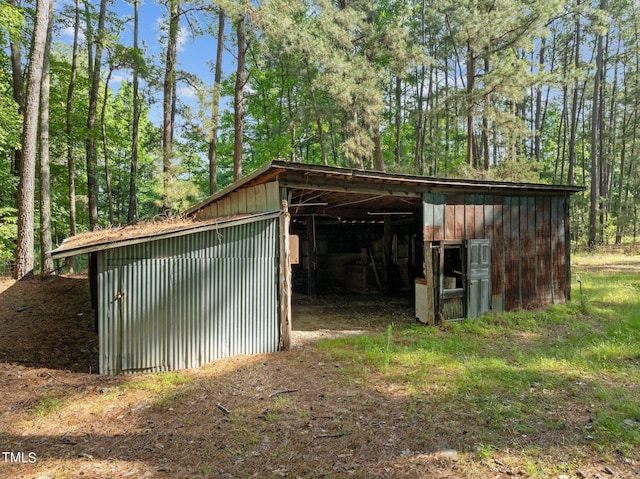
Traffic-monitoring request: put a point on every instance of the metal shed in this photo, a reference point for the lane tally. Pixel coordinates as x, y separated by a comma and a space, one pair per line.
186, 295
222, 284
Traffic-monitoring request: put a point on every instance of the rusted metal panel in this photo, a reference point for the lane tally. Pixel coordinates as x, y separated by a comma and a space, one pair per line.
434, 216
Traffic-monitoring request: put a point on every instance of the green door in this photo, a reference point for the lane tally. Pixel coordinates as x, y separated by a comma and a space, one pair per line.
478, 277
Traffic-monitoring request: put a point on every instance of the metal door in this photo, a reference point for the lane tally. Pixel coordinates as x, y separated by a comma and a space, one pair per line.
478, 277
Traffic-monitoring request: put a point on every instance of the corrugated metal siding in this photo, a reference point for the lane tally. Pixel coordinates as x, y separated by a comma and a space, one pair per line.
185, 301
529, 242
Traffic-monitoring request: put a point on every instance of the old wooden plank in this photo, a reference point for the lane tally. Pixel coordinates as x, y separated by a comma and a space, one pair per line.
543, 248
251, 199
527, 253
449, 217
511, 213
469, 220
494, 231
459, 221
531, 228
312, 278
558, 258
479, 231
430, 278
273, 195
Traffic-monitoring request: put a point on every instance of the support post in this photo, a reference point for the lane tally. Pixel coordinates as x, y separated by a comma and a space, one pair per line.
285, 279
312, 278
388, 263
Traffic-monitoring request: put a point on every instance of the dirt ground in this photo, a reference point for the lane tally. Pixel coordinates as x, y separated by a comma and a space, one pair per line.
288, 414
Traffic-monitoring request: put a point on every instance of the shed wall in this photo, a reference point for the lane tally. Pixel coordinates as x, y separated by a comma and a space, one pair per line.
528, 242
261, 198
182, 302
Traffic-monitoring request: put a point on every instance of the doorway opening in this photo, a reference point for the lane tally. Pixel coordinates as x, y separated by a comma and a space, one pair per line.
457, 283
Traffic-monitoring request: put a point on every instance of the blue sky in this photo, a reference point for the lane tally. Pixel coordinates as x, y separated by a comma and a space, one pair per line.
196, 54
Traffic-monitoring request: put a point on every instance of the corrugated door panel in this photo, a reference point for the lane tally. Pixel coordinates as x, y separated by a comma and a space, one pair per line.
185, 301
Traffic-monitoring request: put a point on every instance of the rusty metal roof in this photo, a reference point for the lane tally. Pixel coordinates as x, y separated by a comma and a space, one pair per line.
92, 241
300, 177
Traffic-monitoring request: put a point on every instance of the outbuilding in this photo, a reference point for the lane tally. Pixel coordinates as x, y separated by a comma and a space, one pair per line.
220, 281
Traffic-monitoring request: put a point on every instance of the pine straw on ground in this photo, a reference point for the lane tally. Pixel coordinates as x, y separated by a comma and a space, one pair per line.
288, 414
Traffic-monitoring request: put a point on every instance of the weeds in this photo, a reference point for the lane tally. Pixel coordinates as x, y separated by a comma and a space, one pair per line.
47, 405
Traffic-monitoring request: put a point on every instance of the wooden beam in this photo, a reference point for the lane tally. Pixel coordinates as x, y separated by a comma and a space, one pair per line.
388, 235
285, 279
312, 278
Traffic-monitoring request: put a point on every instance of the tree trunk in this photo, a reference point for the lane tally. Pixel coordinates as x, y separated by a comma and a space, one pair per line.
71, 175
485, 120
595, 143
167, 103
105, 152
471, 75
238, 101
215, 106
91, 147
537, 121
26, 188
398, 119
574, 103
418, 156
132, 210
18, 92
377, 141
46, 263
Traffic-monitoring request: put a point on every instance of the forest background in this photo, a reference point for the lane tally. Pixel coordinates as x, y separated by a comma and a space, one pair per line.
99, 129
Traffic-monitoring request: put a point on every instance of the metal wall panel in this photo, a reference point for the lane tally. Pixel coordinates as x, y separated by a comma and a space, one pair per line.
185, 301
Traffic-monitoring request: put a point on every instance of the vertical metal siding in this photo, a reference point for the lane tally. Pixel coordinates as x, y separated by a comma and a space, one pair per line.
184, 301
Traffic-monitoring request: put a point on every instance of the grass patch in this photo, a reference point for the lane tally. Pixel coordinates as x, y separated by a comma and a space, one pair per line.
569, 371
165, 387
47, 405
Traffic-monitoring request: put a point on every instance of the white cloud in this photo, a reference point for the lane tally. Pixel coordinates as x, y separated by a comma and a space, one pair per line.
119, 77
187, 92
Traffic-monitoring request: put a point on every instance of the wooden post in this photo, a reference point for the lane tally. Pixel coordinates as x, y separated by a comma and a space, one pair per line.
428, 276
388, 234
285, 279
312, 278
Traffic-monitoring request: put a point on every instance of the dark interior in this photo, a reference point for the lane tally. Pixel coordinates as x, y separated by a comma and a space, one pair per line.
355, 242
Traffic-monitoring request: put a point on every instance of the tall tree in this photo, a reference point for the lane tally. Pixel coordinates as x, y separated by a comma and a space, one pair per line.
24, 262
132, 211
215, 105
71, 168
46, 263
90, 143
18, 87
168, 103
596, 153
238, 97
